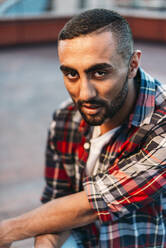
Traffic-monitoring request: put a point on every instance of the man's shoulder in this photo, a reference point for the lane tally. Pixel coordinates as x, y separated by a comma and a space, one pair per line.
65, 108
66, 116
64, 128
160, 98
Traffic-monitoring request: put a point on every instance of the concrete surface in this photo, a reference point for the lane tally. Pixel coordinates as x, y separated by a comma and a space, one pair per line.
31, 87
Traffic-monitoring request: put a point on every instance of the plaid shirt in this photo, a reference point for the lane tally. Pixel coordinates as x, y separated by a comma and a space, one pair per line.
129, 190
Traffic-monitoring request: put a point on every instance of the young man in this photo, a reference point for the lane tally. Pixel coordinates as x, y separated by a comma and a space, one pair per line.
105, 167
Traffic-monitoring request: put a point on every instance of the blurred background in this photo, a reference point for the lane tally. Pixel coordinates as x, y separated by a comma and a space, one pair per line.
31, 85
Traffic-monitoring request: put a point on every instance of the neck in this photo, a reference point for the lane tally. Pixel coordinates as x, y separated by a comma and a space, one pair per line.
124, 112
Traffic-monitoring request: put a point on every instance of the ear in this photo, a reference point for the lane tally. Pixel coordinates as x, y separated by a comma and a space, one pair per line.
134, 63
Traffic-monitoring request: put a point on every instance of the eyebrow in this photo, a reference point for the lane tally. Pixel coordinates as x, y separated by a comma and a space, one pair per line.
64, 68
100, 66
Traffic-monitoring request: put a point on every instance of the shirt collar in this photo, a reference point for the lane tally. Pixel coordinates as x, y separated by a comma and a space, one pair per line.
146, 99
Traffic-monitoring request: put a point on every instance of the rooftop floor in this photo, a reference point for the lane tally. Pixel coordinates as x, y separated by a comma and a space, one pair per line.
31, 88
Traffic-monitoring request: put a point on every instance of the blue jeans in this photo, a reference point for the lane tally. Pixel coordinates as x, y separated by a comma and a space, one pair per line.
70, 243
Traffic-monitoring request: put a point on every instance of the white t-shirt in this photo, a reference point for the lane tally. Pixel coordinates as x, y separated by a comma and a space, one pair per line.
96, 144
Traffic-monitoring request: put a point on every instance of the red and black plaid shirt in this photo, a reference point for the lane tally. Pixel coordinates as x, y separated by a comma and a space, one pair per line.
129, 190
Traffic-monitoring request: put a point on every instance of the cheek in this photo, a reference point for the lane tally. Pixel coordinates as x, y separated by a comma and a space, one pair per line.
72, 90
107, 90
111, 89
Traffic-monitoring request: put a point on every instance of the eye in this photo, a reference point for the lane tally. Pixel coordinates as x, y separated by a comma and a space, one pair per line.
99, 74
72, 75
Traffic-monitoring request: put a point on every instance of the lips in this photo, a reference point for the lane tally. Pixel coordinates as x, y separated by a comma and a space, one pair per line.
91, 109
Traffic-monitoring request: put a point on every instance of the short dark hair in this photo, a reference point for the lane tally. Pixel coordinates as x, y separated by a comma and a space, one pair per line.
100, 20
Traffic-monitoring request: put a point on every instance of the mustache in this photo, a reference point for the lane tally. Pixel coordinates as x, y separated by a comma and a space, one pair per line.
97, 102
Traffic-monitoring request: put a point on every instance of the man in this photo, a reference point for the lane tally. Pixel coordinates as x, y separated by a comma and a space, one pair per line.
106, 151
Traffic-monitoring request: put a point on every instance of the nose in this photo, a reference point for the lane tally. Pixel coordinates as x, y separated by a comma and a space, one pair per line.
87, 90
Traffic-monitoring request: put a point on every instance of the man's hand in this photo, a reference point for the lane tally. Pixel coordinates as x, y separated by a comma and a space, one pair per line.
46, 241
51, 240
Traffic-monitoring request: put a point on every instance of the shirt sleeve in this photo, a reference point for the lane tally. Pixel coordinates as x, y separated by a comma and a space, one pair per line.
131, 183
57, 177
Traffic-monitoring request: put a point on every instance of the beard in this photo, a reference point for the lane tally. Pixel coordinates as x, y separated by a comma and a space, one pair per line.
107, 109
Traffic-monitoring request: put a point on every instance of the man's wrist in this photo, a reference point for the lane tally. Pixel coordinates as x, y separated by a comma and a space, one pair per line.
6, 235
12, 230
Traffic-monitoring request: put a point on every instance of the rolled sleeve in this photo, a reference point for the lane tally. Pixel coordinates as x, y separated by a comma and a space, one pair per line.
102, 201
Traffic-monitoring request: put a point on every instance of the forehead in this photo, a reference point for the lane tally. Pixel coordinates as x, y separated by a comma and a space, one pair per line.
87, 49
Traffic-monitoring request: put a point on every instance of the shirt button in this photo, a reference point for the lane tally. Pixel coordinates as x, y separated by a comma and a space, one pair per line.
86, 145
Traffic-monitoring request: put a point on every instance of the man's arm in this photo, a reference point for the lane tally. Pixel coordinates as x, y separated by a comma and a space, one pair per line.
56, 216
133, 182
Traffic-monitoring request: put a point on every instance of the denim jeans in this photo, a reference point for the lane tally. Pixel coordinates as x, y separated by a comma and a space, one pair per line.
70, 243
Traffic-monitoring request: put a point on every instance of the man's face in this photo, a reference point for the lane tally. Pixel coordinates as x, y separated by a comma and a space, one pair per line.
95, 75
